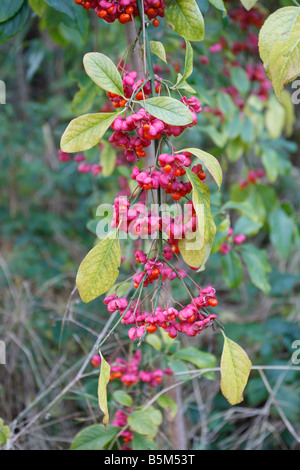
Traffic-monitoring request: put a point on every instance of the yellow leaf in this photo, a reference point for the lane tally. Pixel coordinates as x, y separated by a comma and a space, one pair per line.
102, 389
235, 369
99, 270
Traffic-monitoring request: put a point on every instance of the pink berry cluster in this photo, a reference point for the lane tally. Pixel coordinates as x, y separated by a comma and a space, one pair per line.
191, 319
120, 421
252, 177
135, 131
137, 221
124, 10
129, 372
236, 239
83, 166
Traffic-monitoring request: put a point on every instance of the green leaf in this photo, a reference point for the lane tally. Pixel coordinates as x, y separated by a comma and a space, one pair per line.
240, 80
278, 25
86, 131
257, 265
108, 158
169, 110
94, 437
219, 4
10, 8
247, 226
99, 269
166, 403
145, 422
123, 398
4, 432
235, 370
188, 67
13, 25
270, 162
140, 442
248, 4
67, 7
281, 232
103, 72
84, 99
185, 18
275, 118
211, 163
102, 389
232, 269
201, 359
218, 138
158, 49
154, 341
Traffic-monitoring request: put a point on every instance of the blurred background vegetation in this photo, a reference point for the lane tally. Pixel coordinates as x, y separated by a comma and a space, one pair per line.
47, 212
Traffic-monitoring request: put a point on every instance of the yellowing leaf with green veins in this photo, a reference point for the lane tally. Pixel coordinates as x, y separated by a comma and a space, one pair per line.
278, 26
284, 62
186, 19
86, 131
235, 370
4, 432
168, 110
99, 269
193, 251
103, 72
194, 248
102, 389
248, 4
275, 118
211, 163
158, 49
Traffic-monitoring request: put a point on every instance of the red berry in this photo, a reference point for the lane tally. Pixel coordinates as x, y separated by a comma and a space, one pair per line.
212, 302
156, 22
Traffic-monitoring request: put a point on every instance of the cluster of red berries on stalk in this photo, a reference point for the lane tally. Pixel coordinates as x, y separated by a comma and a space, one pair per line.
252, 178
124, 10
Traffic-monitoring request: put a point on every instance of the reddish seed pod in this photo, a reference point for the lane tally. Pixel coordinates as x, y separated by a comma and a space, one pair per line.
151, 328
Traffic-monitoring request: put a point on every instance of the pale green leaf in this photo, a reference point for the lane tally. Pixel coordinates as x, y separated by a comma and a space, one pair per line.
235, 370
103, 72
168, 110
188, 67
186, 19
211, 163
257, 266
145, 422
219, 4
248, 4
158, 49
99, 269
108, 158
102, 389
123, 398
86, 131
